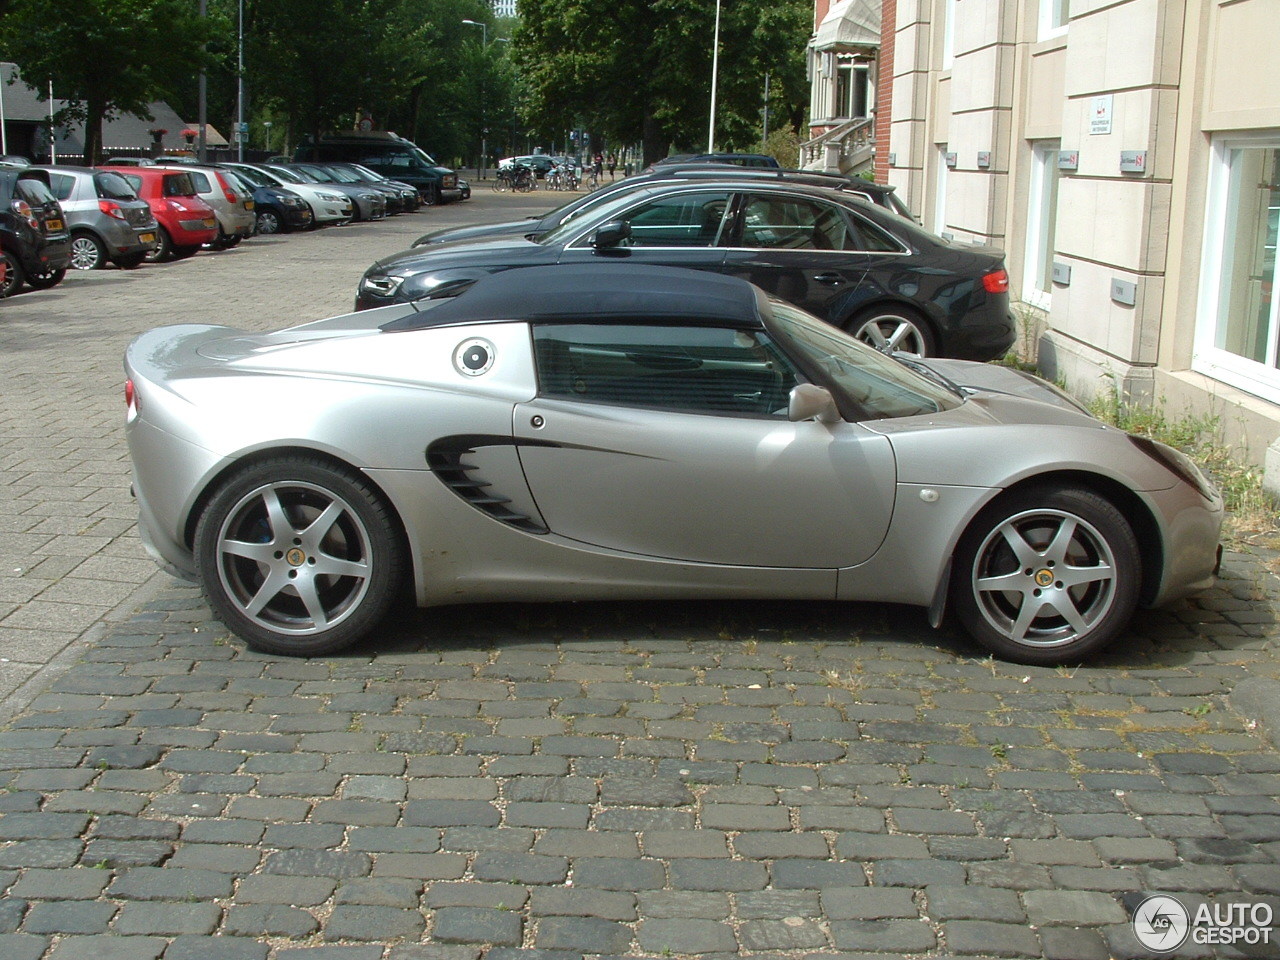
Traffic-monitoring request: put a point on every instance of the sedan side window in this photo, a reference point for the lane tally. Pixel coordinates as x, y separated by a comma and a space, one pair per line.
793, 223
62, 185
694, 369
201, 182
683, 220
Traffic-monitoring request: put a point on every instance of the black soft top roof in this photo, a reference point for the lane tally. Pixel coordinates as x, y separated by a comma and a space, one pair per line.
596, 293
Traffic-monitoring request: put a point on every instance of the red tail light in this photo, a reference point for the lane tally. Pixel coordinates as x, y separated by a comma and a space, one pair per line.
227, 191
997, 281
23, 209
111, 209
130, 397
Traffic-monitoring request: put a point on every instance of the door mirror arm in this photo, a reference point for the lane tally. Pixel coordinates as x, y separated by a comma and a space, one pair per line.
809, 401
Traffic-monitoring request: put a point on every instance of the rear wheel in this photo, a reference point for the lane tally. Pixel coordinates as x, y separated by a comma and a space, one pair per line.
298, 557
46, 278
181, 253
163, 251
87, 252
130, 260
1047, 576
14, 275
893, 329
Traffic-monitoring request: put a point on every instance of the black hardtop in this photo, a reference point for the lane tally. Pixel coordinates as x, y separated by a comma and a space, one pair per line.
596, 293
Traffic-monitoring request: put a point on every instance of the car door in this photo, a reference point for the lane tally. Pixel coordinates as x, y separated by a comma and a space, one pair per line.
677, 229
673, 442
798, 247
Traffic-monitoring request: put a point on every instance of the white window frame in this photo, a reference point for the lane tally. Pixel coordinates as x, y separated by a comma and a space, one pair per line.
1044, 158
1207, 357
940, 185
1048, 29
948, 34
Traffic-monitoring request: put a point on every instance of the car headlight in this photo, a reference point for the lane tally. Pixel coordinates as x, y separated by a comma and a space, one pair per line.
331, 197
371, 197
293, 201
381, 286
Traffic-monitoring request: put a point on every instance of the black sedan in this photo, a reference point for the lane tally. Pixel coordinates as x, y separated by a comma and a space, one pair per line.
861, 268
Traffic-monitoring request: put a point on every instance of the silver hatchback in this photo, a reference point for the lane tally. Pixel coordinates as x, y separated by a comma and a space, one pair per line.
231, 201
107, 220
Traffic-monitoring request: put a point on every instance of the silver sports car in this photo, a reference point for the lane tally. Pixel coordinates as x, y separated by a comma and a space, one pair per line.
607, 431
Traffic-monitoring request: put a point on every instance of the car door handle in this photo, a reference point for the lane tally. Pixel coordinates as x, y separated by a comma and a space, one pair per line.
828, 278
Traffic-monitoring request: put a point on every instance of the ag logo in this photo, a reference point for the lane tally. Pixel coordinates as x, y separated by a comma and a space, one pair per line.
1161, 923
1044, 578
473, 357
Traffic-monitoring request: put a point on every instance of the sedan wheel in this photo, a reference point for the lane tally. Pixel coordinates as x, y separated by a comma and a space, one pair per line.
87, 252
894, 331
297, 557
163, 251
268, 221
46, 279
1047, 576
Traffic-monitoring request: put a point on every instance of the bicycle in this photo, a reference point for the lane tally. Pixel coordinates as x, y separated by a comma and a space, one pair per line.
591, 180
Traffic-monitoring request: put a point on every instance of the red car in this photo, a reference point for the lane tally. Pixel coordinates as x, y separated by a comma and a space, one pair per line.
185, 220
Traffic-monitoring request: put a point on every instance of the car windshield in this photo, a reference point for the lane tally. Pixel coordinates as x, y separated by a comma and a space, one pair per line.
606, 211
339, 175
112, 186
364, 173
255, 177
425, 157
317, 174
875, 381
237, 181
288, 176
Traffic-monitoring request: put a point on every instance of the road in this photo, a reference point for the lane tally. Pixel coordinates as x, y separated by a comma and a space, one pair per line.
70, 561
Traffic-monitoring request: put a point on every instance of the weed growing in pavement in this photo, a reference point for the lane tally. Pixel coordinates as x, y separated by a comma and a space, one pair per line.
1252, 510
1026, 346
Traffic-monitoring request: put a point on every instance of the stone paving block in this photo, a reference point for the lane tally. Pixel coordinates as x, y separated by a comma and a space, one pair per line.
498, 896
291, 890
663, 937
520, 868
73, 917
366, 922
269, 920
973, 903
791, 933
683, 903
108, 947
1078, 908
159, 883
583, 935
215, 948
18, 946
886, 936
612, 873
167, 919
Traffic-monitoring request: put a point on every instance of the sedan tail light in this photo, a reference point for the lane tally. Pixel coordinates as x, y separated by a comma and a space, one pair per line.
997, 281
130, 400
231, 195
111, 209
23, 209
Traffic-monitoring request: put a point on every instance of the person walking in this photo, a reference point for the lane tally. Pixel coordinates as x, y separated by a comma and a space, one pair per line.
598, 163
613, 164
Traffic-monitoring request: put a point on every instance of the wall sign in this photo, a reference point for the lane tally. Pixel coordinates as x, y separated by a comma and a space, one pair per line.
1100, 115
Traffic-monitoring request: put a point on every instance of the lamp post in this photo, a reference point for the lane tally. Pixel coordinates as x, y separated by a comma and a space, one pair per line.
202, 153
240, 131
484, 130
715, 70
266, 125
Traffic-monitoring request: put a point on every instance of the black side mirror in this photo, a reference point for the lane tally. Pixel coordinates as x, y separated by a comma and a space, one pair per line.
611, 234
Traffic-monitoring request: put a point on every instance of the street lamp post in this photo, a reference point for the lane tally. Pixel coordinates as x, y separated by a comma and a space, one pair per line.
715, 70
484, 130
240, 87
266, 125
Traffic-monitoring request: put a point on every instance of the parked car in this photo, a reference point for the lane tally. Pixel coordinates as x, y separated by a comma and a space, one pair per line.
186, 221
606, 431
533, 227
366, 202
35, 243
327, 206
396, 198
389, 155
276, 208
539, 163
858, 266
107, 220
232, 204
410, 199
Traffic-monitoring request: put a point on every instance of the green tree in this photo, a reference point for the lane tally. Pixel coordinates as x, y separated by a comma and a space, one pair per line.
641, 69
105, 57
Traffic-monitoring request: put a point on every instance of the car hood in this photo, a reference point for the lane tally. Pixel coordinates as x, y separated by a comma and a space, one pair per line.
483, 231
501, 252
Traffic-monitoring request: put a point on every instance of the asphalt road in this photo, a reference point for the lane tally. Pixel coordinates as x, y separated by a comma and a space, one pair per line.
70, 561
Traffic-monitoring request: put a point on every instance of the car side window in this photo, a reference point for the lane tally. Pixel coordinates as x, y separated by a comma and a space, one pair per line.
691, 369
682, 220
201, 182
870, 238
794, 223
179, 185
62, 185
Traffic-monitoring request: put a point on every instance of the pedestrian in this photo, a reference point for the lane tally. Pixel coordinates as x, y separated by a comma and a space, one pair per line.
598, 163
613, 164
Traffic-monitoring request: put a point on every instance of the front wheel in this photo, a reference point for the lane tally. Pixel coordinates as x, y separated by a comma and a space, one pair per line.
298, 557
894, 330
1047, 576
268, 222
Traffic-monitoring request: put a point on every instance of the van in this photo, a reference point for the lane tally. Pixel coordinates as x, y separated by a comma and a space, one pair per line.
389, 155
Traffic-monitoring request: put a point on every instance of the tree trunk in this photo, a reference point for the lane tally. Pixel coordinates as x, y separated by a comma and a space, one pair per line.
655, 143
93, 132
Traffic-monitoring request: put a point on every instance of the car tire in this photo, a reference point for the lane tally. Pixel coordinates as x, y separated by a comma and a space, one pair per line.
163, 251
431, 196
47, 279
891, 327
1008, 588
130, 260
269, 222
283, 585
87, 252
14, 275
182, 253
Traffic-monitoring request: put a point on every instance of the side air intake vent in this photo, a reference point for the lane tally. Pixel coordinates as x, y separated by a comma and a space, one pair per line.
446, 458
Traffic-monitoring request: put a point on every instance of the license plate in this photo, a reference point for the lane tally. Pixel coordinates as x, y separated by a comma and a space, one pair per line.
146, 238
53, 224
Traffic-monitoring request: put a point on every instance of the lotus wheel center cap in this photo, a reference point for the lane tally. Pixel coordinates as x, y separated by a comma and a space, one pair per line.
1043, 577
296, 557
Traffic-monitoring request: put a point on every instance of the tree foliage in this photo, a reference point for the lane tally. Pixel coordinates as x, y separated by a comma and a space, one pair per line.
104, 57
641, 69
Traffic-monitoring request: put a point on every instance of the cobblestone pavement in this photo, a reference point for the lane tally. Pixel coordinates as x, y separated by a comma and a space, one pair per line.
643, 780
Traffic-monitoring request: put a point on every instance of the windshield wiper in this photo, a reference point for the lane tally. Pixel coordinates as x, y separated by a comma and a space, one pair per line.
912, 362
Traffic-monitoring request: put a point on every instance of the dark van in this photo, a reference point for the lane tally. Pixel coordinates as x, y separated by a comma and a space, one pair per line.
394, 157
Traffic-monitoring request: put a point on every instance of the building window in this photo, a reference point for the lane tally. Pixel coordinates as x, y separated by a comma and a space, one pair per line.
852, 85
1042, 218
1238, 329
1054, 15
948, 33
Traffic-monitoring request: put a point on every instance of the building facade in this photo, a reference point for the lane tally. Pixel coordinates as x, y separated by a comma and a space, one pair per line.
1126, 155
504, 8
842, 85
